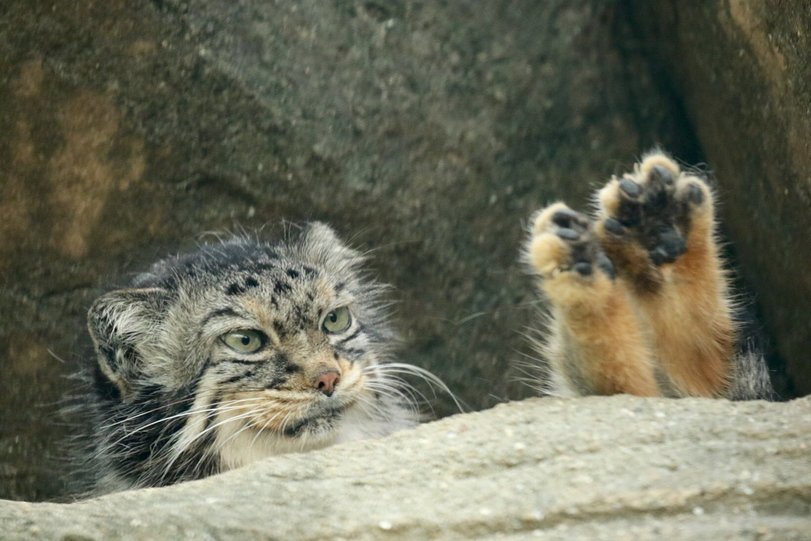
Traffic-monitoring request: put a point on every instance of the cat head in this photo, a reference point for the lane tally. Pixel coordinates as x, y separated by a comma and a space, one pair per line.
282, 343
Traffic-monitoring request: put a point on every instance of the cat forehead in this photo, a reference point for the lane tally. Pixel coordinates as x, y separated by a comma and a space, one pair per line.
281, 278
292, 289
239, 259
292, 296
262, 281
275, 279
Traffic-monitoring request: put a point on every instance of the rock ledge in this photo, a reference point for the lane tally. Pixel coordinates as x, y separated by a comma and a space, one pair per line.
593, 468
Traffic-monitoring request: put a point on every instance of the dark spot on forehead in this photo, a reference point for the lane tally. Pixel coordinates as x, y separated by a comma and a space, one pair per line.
281, 287
250, 281
292, 273
235, 289
299, 317
309, 271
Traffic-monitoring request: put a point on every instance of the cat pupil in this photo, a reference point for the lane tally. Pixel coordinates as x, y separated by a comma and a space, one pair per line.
246, 339
333, 317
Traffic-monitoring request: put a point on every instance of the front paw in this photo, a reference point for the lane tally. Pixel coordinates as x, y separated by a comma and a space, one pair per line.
562, 240
654, 208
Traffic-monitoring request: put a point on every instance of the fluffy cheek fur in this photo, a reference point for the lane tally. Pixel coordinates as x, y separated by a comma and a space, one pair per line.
253, 424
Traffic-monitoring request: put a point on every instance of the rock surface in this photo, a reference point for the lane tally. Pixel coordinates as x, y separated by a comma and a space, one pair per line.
743, 71
596, 468
426, 131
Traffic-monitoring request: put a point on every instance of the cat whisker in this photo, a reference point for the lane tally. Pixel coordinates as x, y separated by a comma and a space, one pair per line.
147, 412
425, 375
188, 413
177, 450
403, 393
379, 411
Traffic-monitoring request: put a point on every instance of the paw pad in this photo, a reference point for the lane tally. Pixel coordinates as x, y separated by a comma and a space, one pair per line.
575, 249
630, 188
662, 174
571, 225
654, 207
613, 226
695, 195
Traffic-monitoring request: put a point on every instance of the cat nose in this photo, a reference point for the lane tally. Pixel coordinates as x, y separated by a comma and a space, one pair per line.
327, 380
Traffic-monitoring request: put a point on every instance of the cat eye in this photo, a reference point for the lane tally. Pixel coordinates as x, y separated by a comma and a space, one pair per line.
337, 320
245, 341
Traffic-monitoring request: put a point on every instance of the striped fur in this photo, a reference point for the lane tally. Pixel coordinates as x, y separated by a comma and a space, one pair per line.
172, 401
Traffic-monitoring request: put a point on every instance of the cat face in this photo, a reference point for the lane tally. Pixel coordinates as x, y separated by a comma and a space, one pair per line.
242, 350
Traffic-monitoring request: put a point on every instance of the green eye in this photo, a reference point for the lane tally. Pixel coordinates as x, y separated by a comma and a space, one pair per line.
247, 341
337, 321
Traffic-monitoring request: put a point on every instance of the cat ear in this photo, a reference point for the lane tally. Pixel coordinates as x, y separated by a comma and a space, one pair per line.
321, 240
120, 322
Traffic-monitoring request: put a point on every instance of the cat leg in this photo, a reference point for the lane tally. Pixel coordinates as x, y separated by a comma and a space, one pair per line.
594, 345
657, 226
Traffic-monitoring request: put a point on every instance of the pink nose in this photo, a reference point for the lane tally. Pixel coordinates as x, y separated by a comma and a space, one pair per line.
327, 380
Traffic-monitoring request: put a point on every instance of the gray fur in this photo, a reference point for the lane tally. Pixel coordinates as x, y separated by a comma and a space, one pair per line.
159, 410
750, 379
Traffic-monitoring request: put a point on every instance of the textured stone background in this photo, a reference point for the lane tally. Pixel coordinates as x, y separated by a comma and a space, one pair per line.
425, 131
590, 469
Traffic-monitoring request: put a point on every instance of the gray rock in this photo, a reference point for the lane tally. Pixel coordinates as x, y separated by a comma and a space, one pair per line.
596, 468
742, 69
427, 132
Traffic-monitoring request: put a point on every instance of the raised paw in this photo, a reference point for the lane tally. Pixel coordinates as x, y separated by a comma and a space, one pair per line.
657, 208
563, 240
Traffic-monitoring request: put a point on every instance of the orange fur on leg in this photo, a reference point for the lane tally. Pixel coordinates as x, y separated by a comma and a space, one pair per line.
657, 226
596, 346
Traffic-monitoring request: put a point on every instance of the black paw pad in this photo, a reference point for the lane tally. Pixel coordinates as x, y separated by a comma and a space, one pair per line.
569, 219
659, 256
630, 188
589, 258
669, 246
662, 174
613, 226
695, 195
567, 234
585, 255
583, 268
